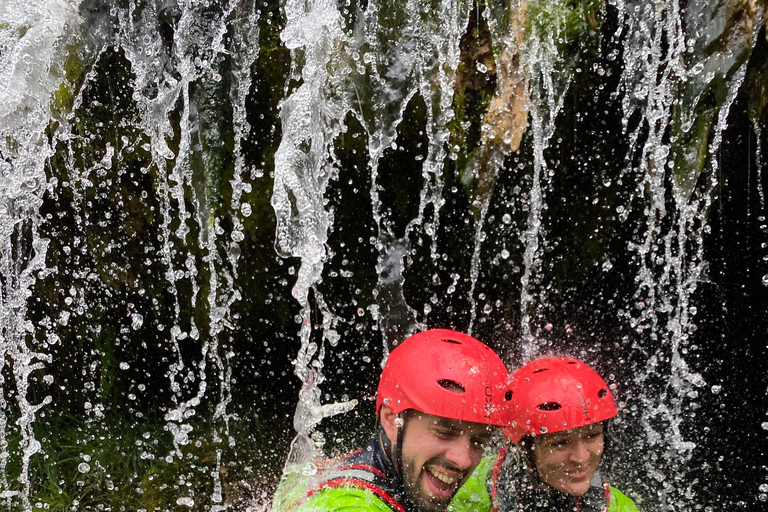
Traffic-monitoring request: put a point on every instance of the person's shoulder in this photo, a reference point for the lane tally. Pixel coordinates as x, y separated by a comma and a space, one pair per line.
620, 502
473, 495
342, 498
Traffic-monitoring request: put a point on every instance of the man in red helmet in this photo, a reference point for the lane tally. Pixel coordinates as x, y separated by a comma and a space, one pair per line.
439, 398
559, 410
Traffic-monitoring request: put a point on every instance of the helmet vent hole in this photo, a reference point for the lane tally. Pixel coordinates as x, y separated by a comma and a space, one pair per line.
455, 342
508, 396
452, 386
549, 406
602, 393
540, 370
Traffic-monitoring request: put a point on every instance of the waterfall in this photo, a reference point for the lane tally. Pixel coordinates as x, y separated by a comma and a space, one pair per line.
28, 78
218, 218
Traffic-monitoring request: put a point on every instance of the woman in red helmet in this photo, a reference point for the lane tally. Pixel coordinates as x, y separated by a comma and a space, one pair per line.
559, 411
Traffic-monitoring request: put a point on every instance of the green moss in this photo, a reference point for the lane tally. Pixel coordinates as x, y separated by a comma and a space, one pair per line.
122, 464
567, 21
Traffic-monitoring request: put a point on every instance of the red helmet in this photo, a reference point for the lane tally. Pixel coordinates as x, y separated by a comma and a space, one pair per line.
445, 373
553, 394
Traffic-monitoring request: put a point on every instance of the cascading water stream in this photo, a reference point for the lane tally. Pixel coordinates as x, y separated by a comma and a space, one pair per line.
138, 144
198, 42
661, 59
196, 48
26, 84
312, 117
547, 96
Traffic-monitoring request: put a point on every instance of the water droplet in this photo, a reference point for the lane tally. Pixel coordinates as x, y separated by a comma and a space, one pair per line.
716, 389
124, 366
189, 502
504, 253
481, 67
136, 321
84, 467
543, 430
399, 422
246, 209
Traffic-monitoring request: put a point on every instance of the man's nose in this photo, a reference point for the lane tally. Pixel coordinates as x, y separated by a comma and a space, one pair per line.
460, 453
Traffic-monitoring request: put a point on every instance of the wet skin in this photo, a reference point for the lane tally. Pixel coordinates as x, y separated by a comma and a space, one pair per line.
438, 454
568, 460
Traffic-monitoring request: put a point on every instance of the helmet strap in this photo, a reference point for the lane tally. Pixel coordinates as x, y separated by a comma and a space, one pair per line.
386, 444
396, 455
398, 460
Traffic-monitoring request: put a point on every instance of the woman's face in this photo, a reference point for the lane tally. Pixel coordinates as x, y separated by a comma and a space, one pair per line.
568, 460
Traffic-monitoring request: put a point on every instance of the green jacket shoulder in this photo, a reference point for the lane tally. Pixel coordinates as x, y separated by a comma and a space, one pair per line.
342, 499
473, 495
620, 502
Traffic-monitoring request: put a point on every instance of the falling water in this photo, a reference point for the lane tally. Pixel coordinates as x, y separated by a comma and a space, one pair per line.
29, 73
137, 142
197, 46
424, 59
547, 95
664, 60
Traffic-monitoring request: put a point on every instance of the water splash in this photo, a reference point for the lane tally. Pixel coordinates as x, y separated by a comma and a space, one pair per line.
550, 80
421, 58
32, 47
666, 52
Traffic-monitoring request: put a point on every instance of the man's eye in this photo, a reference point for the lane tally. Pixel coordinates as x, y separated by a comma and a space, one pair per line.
444, 434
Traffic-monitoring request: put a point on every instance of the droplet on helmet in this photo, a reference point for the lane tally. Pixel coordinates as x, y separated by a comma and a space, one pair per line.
387, 401
543, 430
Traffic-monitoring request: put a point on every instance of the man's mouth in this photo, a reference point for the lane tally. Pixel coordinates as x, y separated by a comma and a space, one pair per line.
442, 483
447, 479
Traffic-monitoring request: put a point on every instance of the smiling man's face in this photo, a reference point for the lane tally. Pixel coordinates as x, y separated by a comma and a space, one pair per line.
439, 454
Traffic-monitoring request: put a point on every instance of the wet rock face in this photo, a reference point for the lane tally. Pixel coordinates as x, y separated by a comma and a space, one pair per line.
576, 177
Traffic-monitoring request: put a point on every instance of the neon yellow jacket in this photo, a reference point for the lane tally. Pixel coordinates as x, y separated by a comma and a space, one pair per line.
343, 499
473, 495
362, 481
